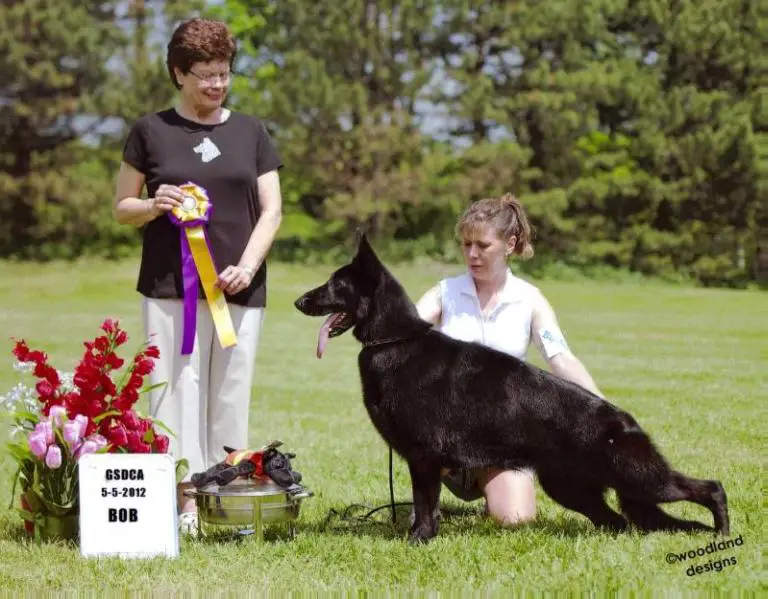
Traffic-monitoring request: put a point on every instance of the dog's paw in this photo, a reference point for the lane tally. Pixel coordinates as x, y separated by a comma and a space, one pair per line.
415, 539
614, 527
423, 534
436, 514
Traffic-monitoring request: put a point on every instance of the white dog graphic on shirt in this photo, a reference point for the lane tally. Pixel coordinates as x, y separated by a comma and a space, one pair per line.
207, 150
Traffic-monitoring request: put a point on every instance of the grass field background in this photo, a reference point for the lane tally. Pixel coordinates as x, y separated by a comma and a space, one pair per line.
690, 364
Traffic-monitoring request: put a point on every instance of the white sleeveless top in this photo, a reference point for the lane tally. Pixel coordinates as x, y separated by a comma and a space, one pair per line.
507, 328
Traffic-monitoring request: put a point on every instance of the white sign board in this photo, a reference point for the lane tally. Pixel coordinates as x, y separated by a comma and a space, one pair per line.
128, 505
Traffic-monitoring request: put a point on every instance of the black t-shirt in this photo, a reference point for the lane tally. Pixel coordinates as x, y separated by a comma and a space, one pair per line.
225, 159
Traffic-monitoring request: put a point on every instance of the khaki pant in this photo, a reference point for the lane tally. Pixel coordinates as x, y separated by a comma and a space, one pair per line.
206, 400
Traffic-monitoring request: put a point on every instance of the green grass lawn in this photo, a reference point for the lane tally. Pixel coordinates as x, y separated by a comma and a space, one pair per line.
689, 364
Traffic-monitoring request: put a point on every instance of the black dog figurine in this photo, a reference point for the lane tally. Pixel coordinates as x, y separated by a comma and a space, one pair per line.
249, 463
443, 403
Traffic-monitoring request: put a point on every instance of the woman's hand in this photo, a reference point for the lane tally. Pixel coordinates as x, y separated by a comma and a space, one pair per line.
233, 279
167, 197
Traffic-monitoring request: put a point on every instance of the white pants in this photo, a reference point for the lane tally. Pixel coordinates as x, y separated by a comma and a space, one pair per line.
206, 400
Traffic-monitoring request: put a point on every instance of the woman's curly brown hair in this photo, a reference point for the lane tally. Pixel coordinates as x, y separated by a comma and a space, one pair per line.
199, 40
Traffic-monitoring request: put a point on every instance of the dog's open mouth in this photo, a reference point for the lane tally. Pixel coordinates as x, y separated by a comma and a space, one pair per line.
334, 325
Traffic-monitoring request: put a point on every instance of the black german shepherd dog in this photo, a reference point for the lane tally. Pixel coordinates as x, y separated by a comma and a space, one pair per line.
442, 403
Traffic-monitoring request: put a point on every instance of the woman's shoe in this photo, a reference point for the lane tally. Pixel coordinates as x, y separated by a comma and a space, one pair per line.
188, 523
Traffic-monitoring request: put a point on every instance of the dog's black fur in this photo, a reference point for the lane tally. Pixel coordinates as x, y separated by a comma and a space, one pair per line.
443, 403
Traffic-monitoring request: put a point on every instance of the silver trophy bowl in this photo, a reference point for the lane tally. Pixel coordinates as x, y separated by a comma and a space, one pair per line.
245, 506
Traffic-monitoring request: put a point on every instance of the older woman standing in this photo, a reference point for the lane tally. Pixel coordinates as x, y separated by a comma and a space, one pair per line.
490, 305
230, 156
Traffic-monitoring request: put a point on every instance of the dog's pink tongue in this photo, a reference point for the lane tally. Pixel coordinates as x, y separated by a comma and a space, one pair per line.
322, 339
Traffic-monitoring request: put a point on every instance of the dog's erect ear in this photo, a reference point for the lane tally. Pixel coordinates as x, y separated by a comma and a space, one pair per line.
366, 257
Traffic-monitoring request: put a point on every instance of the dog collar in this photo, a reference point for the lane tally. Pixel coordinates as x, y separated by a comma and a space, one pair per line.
387, 341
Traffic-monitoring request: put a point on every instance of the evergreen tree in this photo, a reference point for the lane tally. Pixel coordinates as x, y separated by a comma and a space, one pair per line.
635, 131
696, 134
53, 79
340, 82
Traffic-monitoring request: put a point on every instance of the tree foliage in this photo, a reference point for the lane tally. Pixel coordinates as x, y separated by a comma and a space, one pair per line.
634, 131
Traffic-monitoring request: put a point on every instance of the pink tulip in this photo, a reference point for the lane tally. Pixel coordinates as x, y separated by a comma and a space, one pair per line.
98, 440
53, 457
87, 446
91, 444
72, 433
82, 421
37, 444
58, 415
45, 428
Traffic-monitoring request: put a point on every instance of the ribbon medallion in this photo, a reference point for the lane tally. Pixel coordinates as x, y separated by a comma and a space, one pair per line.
197, 264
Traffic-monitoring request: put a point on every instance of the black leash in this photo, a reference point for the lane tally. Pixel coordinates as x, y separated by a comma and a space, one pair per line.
346, 513
391, 487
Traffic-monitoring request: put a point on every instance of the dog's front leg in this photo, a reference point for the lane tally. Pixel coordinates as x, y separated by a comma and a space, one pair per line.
425, 479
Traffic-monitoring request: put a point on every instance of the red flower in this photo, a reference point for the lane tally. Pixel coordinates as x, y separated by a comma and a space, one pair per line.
81, 380
143, 367
70, 401
96, 392
105, 426
90, 393
86, 376
161, 443
129, 394
136, 444
95, 407
91, 428
152, 352
131, 420
73, 403
39, 357
45, 390
122, 403
44, 371
107, 386
109, 326
134, 381
24, 354
94, 360
118, 436
102, 344
113, 361
21, 351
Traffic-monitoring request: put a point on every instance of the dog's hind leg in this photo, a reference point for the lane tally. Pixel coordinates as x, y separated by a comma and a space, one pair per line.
649, 517
708, 493
425, 480
583, 497
677, 487
641, 475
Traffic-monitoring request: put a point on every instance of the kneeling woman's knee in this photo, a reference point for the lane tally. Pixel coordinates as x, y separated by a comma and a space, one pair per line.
510, 497
512, 515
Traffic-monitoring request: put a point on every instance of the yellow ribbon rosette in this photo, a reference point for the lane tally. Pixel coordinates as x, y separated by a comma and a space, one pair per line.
197, 264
